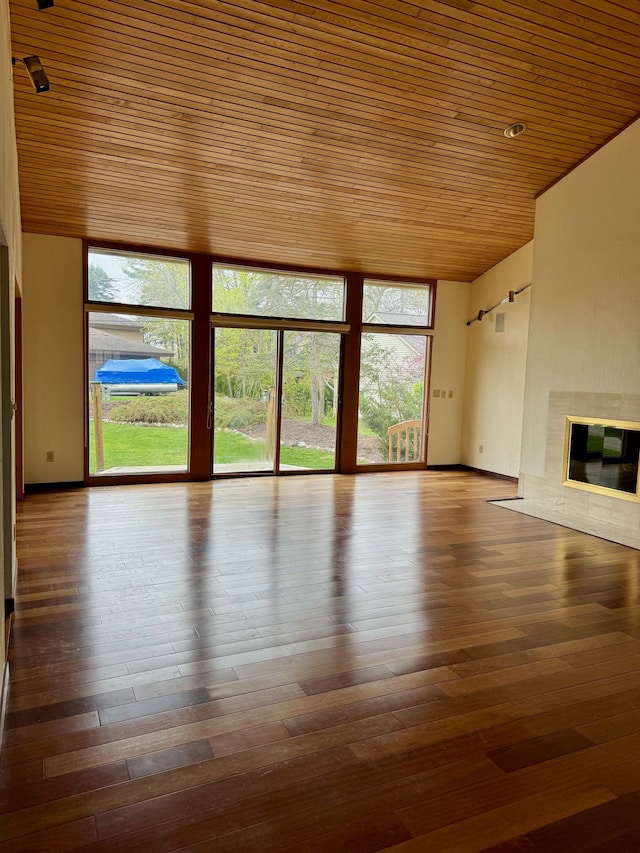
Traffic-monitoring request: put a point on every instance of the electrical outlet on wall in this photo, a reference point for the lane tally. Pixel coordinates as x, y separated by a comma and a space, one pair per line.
481, 448
50, 455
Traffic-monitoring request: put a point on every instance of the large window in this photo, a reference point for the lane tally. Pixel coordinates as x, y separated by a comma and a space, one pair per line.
138, 364
391, 304
126, 279
198, 368
394, 372
262, 293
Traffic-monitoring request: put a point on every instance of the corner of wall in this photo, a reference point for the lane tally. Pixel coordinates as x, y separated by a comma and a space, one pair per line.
496, 365
447, 373
583, 337
53, 387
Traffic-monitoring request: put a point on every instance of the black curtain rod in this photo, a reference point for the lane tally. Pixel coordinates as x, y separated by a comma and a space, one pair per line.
510, 297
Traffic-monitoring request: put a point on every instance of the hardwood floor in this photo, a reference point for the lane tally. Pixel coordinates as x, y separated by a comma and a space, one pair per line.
322, 663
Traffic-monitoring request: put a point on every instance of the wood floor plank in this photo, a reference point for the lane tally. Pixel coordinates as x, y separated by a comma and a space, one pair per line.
509, 821
321, 663
73, 835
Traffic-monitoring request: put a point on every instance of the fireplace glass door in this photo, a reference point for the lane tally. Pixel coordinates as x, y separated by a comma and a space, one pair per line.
603, 456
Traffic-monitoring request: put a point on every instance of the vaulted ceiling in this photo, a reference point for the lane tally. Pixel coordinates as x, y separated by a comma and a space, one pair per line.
341, 135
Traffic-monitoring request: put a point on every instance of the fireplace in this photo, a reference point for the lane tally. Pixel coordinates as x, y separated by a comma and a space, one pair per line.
594, 487
602, 456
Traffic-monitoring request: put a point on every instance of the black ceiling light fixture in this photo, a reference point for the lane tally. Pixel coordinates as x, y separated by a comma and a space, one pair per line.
515, 129
36, 72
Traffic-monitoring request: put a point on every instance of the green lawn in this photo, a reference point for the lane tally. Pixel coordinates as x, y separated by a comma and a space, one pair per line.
229, 447
307, 457
127, 446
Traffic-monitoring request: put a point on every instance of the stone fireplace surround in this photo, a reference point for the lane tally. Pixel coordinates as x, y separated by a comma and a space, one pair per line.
608, 517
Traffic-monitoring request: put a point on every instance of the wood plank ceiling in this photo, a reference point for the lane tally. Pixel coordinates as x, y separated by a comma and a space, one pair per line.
340, 135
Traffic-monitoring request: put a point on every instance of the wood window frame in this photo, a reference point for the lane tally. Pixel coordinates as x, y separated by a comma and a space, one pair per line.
200, 464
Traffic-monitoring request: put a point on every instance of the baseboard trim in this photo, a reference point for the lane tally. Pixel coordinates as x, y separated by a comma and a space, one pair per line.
30, 488
455, 467
460, 467
493, 474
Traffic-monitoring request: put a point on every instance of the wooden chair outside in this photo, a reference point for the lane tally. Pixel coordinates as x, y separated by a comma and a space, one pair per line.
405, 441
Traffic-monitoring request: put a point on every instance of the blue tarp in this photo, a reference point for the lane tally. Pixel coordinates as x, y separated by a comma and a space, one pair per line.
137, 371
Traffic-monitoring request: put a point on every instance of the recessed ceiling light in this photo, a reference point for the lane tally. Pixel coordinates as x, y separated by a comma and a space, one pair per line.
515, 129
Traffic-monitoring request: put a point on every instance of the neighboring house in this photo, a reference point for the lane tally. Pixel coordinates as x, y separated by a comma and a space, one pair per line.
124, 327
112, 336
404, 353
386, 318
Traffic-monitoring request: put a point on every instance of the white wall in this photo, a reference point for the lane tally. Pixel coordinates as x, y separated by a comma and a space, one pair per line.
584, 336
495, 367
53, 363
447, 373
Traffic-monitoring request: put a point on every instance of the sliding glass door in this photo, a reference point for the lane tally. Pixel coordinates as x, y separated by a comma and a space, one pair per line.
276, 367
244, 400
310, 370
275, 400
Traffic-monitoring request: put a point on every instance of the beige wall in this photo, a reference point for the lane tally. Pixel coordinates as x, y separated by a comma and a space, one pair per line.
53, 369
10, 274
584, 336
9, 196
53, 364
495, 368
447, 373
